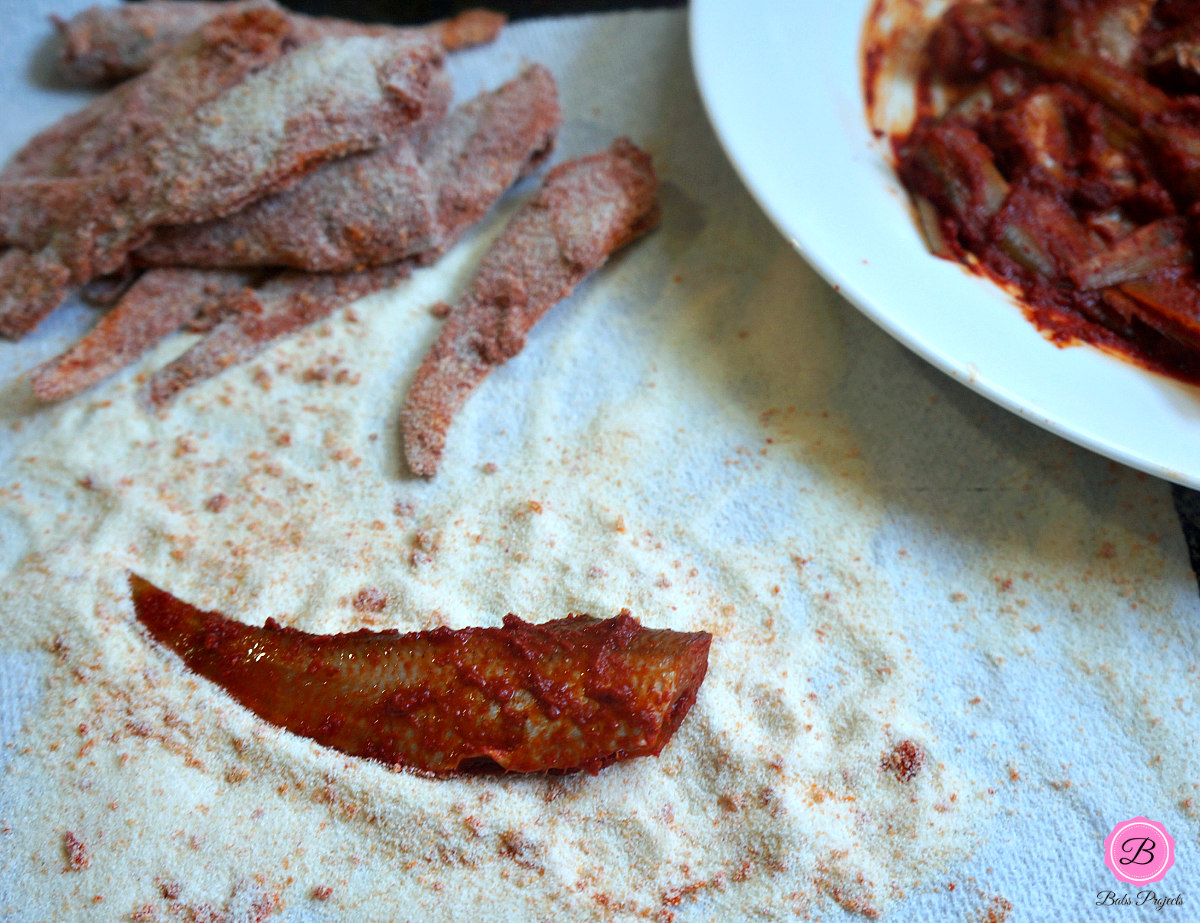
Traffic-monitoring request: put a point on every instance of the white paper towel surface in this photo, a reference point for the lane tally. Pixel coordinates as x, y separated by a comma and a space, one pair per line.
705, 433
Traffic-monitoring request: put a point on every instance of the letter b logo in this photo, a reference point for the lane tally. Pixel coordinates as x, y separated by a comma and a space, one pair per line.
1139, 851
1140, 846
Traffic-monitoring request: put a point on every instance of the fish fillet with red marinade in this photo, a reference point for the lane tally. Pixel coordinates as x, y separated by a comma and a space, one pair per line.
572, 694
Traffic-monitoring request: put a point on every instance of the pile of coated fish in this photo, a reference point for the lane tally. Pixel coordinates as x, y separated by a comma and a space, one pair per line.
255, 169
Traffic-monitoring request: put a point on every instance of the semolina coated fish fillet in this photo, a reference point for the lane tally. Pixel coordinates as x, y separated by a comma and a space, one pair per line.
108, 43
241, 40
586, 209
375, 207
281, 305
155, 306
471, 158
384, 205
326, 100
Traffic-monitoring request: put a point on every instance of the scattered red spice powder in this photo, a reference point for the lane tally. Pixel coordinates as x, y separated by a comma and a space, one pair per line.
168, 888
78, 856
996, 911
370, 599
904, 761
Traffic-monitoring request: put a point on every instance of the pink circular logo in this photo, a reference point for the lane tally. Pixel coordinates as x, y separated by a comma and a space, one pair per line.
1139, 851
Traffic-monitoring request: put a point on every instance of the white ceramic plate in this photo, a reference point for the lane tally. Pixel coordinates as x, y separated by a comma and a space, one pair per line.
781, 82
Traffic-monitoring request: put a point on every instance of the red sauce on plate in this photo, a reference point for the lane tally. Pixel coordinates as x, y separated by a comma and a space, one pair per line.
1057, 156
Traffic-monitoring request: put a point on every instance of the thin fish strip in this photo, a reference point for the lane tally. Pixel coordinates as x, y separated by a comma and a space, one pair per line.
586, 209
108, 43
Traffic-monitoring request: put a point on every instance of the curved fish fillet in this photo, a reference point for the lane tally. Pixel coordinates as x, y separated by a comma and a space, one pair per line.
281, 305
156, 305
571, 694
586, 209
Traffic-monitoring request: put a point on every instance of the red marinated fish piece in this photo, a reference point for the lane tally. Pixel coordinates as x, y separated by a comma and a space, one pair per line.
572, 694
106, 43
329, 99
586, 209
471, 158
1110, 29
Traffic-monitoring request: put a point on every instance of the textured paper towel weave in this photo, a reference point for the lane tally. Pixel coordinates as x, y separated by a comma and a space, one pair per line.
706, 434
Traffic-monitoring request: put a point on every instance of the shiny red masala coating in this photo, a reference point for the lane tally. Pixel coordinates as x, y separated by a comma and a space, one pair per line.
1057, 150
574, 693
